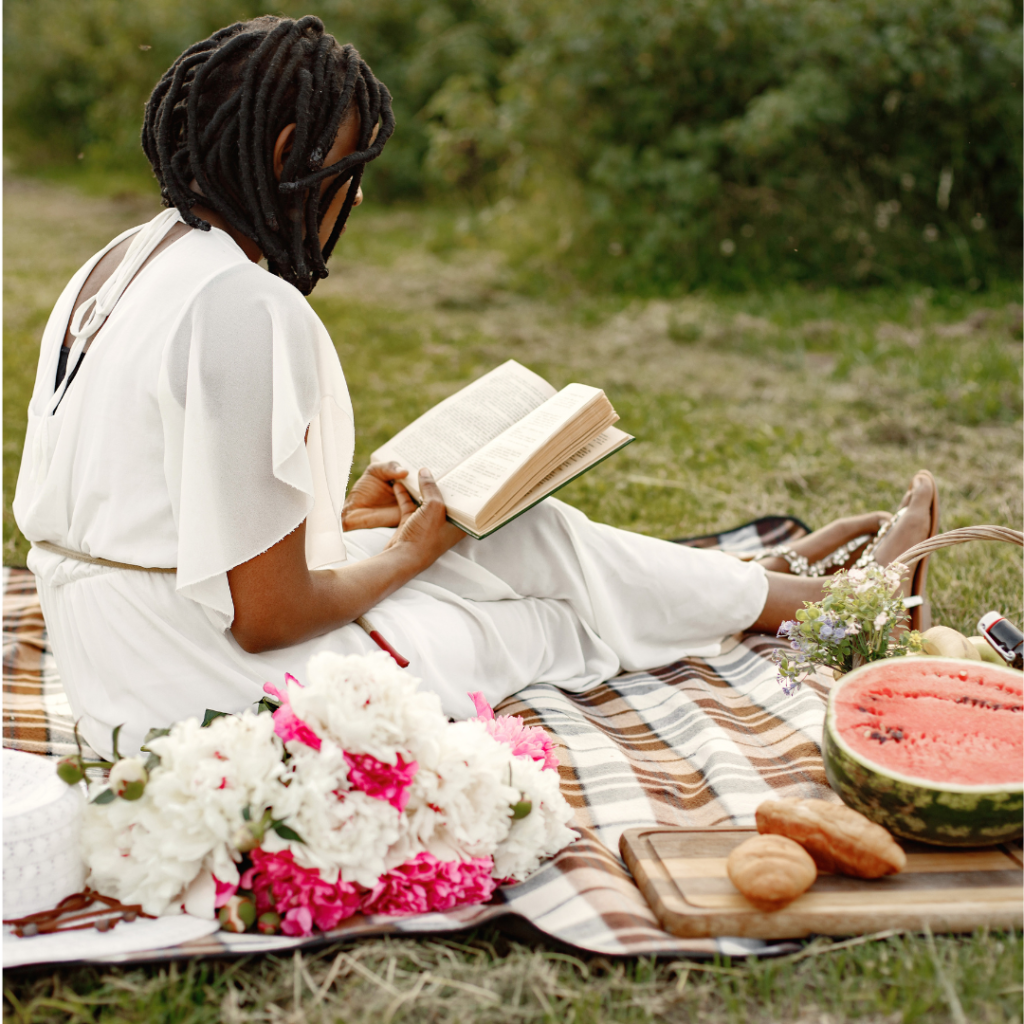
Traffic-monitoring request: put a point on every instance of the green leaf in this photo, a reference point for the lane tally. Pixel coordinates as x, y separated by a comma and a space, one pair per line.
266, 705
287, 833
211, 715
153, 761
105, 797
246, 813
153, 734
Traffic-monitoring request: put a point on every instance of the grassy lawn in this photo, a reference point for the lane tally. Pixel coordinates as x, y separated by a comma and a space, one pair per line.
816, 403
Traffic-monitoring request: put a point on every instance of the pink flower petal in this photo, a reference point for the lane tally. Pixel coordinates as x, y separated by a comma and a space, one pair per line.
297, 922
390, 782
525, 740
287, 724
483, 709
225, 890
425, 884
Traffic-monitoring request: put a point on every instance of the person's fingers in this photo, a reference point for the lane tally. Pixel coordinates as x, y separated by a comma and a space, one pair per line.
406, 506
386, 471
428, 488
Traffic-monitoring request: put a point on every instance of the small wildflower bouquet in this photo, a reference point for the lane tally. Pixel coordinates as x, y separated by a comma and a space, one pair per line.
852, 625
355, 795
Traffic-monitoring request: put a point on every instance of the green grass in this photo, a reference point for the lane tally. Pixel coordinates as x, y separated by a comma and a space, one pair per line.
487, 978
816, 403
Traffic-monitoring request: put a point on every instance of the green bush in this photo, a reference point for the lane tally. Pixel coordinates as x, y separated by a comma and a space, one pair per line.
77, 72
655, 145
728, 141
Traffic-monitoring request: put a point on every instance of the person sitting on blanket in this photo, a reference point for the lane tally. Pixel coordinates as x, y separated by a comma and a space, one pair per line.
190, 418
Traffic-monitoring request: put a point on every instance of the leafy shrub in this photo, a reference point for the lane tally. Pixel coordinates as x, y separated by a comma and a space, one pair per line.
77, 74
654, 145
732, 140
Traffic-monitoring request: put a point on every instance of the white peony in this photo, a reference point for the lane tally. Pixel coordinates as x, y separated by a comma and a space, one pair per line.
367, 705
461, 797
188, 825
344, 829
543, 832
149, 850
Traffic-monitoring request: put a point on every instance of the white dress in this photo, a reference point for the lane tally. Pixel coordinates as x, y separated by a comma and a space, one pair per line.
182, 443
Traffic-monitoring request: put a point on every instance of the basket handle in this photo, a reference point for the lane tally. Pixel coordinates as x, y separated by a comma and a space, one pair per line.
961, 536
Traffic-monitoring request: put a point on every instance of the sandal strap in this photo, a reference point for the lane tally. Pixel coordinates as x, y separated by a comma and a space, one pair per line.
840, 556
798, 564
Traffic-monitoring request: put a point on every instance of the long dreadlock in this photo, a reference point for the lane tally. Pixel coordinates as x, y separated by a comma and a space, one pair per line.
214, 116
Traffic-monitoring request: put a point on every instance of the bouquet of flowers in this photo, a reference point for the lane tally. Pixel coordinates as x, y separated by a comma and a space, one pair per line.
852, 625
355, 795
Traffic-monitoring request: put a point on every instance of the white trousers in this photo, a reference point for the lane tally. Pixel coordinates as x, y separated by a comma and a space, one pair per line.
552, 597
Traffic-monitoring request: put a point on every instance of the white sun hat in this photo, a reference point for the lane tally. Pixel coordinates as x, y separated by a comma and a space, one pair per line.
42, 820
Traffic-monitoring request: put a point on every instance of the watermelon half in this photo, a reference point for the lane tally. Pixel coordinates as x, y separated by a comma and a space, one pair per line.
930, 748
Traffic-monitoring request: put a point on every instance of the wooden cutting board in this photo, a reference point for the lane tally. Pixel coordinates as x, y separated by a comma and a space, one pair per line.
681, 872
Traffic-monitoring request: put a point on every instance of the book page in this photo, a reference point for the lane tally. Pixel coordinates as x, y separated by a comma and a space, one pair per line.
468, 488
445, 436
603, 445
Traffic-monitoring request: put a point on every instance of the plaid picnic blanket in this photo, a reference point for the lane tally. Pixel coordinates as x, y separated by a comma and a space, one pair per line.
699, 742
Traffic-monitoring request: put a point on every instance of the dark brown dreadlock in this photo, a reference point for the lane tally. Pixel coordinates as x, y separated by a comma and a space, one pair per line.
216, 113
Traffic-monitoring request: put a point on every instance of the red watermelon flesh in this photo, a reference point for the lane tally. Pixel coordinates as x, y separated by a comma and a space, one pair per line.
948, 726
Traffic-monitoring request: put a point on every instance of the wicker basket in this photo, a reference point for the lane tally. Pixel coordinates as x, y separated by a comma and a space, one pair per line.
961, 536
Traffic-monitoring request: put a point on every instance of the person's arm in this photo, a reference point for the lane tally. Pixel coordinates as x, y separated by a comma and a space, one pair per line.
279, 602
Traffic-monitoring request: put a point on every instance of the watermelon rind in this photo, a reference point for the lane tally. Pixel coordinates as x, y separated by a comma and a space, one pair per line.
943, 814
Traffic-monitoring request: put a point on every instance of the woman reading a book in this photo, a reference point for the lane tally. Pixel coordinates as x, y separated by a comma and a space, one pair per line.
191, 435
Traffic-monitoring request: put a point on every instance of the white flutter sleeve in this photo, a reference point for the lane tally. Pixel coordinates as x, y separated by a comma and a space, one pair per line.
248, 367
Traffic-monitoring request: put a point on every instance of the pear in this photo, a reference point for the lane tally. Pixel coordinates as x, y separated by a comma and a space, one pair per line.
986, 650
943, 642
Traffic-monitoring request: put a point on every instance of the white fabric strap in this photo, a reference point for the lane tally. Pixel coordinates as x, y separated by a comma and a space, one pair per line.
92, 314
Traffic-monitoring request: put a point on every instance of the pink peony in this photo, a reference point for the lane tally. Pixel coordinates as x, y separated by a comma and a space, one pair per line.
388, 782
525, 740
279, 884
298, 922
287, 724
425, 883
225, 890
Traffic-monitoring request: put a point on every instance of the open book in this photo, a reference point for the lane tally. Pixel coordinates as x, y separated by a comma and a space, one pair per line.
505, 442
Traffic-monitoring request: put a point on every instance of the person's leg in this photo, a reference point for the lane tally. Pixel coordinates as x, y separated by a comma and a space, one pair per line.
787, 593
822, 543
649, 600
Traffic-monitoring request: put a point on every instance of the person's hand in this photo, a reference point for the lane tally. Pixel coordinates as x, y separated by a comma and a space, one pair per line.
424, 531
372, 501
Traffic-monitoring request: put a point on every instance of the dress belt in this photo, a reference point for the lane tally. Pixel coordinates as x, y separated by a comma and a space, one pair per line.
81, 557
362, 621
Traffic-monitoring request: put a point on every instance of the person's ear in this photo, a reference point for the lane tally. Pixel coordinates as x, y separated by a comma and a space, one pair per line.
282, 148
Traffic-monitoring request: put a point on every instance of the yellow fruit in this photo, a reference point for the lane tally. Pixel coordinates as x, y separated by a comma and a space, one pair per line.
985, 650
943, 642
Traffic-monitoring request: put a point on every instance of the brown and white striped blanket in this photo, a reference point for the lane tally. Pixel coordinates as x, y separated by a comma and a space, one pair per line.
700, 742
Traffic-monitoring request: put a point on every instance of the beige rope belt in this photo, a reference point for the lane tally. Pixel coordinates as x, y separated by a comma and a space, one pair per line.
363, 622
78, 556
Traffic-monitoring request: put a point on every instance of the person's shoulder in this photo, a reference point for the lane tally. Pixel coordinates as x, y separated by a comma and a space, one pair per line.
241, 280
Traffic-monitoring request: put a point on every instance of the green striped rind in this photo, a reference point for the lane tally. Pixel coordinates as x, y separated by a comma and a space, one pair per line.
942, 815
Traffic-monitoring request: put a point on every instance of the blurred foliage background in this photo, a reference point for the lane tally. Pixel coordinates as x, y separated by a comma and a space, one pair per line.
651, 147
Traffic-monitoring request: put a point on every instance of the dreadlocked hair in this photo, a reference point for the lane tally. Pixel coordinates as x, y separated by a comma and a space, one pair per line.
215, 115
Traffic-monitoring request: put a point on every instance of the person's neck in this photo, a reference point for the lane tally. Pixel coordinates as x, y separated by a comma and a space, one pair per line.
244, 242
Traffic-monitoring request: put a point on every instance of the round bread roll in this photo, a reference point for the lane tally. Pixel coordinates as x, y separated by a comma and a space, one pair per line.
771, 871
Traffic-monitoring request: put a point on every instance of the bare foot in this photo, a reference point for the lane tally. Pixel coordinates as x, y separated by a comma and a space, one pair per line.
786, 593
912, 526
